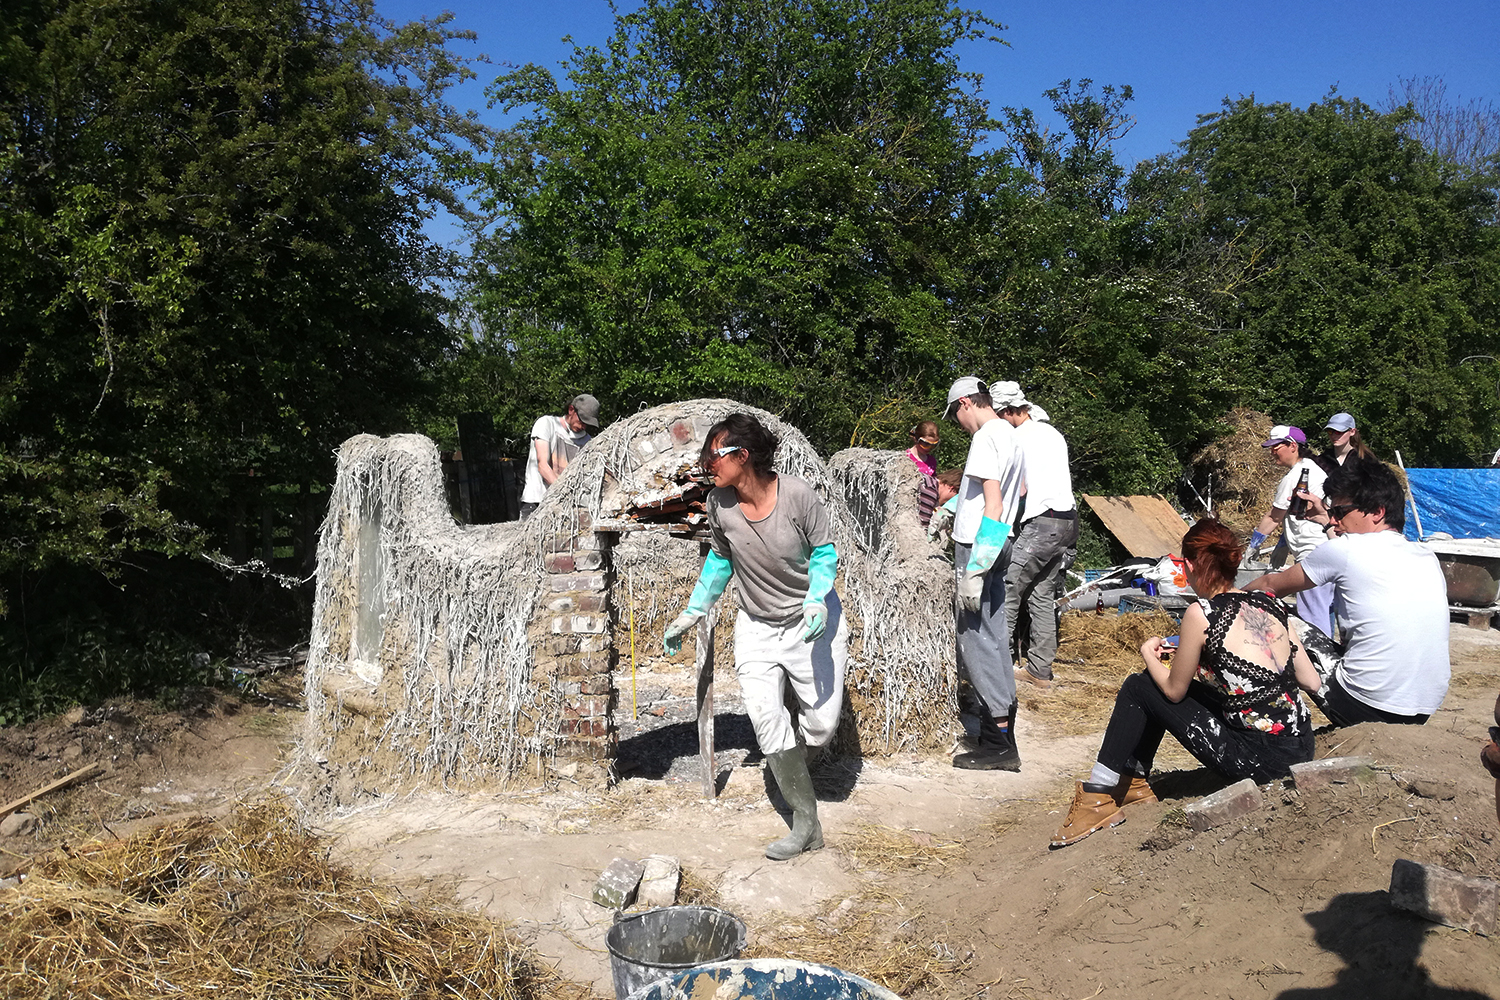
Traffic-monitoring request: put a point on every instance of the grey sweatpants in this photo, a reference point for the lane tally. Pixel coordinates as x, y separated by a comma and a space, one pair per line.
1043, 554
984, 638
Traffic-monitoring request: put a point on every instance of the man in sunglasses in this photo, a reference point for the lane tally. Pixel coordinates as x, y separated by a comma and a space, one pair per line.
1390, 598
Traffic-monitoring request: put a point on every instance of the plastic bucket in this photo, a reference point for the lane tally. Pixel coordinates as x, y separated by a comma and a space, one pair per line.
763, 979
645, 947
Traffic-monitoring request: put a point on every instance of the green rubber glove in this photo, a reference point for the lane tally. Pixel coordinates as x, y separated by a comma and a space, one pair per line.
988, 543
815, 620
822, 567
711, 583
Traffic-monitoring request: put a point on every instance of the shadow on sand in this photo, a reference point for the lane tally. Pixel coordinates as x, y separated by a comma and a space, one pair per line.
1380, 947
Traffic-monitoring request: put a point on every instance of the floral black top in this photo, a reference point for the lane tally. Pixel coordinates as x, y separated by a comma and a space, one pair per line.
1254, 696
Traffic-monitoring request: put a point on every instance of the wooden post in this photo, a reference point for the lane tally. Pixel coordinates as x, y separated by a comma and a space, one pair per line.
705, 660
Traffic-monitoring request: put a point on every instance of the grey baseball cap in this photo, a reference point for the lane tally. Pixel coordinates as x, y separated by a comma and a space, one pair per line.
966, 386
587, 408
1340, 422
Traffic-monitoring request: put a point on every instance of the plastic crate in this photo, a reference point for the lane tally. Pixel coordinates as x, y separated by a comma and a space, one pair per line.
1091, 575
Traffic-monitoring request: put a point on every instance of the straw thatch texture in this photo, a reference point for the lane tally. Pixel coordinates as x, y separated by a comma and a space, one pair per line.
899, 590
423, 664
420, 630
250, 908
1235, 474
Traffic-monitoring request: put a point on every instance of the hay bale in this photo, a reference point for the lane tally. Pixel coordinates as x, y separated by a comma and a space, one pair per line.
1235, 474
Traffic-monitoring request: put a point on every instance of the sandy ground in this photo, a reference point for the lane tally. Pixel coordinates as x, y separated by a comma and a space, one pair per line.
1291, 902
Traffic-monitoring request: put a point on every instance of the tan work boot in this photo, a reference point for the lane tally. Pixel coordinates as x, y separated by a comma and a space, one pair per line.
1132, 789
1091, 811
1026, 676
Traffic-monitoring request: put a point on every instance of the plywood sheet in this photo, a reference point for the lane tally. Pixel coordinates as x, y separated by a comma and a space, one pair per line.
1148, 527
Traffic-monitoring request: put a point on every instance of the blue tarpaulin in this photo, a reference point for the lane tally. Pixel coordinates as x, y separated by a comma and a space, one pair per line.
1463, 502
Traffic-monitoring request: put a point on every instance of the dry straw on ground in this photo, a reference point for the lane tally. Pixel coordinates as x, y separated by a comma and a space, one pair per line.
1095, 655
249, 908
890, 851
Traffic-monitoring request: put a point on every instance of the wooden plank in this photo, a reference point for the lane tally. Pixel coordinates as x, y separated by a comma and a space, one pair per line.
82, 772
1148, 527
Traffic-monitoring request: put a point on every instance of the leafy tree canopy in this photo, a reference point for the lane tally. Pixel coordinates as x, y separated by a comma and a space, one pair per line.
211, 258
755, 198
1340, 266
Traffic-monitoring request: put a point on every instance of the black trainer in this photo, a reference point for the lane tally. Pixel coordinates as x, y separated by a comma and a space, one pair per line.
990, 757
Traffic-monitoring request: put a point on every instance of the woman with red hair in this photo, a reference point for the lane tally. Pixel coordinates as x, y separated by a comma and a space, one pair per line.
1228, 693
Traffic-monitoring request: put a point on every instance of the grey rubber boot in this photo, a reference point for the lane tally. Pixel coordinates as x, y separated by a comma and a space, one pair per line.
789, 767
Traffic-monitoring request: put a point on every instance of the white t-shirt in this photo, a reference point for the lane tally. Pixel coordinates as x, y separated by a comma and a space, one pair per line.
1302, 536
1392, 603
993, 454
560, 441
1049, 483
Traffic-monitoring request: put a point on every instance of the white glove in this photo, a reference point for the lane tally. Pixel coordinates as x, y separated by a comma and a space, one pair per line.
815, 617
970, 591
681, 625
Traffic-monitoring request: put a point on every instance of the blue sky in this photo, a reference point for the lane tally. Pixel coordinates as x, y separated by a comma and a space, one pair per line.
1182, 59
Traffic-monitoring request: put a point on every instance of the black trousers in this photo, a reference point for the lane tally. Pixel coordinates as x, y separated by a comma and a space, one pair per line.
1343, 709
1143, 715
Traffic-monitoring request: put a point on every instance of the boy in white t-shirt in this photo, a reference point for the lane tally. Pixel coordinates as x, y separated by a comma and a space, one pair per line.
556, 441
1390, 597
988, 496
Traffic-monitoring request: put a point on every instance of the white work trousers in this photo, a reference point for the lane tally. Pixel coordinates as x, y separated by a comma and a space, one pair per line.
768, 657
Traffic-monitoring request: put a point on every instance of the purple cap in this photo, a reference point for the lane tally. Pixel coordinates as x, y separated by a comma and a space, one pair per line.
1281, 432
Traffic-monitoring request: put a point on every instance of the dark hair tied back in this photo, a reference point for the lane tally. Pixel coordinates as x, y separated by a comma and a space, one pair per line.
741, 430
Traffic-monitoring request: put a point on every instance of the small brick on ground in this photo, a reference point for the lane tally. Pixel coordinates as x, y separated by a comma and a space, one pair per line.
1331, 771
1445, 896
659, 883
1225, 806
616, 886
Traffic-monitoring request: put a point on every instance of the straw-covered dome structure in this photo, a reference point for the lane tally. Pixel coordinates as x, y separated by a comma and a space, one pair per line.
447, 654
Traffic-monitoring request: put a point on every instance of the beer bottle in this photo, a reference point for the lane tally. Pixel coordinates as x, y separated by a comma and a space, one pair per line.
1298, 506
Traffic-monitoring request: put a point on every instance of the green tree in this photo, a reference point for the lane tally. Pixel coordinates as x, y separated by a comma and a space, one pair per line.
1337, 264
212, 268
211, 256
755, 198
1062, 299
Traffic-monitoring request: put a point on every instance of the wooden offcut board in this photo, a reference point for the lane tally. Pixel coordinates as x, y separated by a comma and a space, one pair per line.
1148, 527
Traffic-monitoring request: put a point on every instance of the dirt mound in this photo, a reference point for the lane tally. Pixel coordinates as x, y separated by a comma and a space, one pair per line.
1292, 901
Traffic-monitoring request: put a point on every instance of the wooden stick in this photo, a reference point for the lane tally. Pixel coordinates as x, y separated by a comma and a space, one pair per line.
82, 772
705, 660
1406, 481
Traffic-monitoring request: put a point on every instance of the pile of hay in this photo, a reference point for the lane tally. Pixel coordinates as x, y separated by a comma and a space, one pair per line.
1235, 474
1094, 656
248, 908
